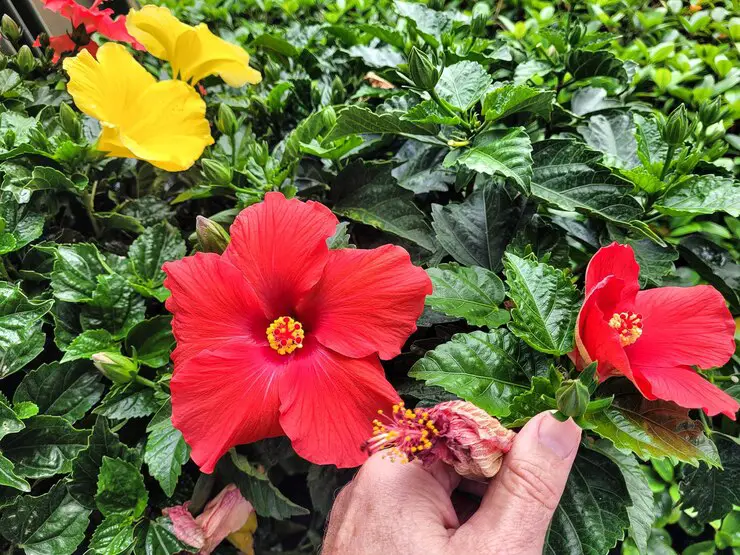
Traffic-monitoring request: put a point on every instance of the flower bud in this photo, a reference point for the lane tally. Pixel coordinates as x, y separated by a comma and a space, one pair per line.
9, 139
260, 152
422, 70
10, 29
480, 17
577, 32
572, 398
116, 367
25, 60
70, 121
677, 127
711, 112
38, 139
211, 236
215, 172
226, 120
714, 132
338, 91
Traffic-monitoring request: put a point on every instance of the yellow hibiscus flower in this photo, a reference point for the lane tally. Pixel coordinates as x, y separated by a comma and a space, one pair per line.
162, 122
193, 52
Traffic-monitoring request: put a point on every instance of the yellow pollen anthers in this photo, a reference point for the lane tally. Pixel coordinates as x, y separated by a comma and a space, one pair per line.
285, 335
405, 434
628, 325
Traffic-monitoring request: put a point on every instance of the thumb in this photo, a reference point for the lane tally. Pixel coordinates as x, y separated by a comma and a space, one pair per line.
518, 505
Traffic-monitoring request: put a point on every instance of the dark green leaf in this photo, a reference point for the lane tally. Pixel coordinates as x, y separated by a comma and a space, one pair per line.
428, 21
21, 338
113, 306
166, 450
10, 422
476, 231
90, 342
715, 265
702, 194
546, 304
710, 491
354, 120
66, 390
487, 369
121, 489
44, 178
76, 271
152, 340
161, 539
614, 136
463, 84
421, 169
45, 447
429, 112
539, 398
380, 56
8, 477
585, 63
324, 483
514, 99
150, 250
131, 400
51, 524
471, 293
21, 224
113, 536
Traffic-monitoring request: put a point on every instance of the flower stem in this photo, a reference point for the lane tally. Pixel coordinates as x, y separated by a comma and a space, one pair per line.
707, 429
447, 111
90, 208
144, 381
667, 163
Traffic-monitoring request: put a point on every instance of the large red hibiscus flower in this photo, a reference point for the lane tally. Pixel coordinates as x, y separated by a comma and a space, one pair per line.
281, 335
654, 337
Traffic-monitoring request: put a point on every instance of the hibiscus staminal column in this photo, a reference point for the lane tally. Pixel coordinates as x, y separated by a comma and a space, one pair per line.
405, 433
628, 326
285, 335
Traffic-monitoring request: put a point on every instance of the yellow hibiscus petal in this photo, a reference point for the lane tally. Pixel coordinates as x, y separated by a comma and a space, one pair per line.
105, 88
243, 539
219, 57
157, 29
170, 130
110, 143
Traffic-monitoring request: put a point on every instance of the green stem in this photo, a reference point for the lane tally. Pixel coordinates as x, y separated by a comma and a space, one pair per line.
707, 429
447, 111
232, 140
90, 208
733, 379
144, 381
668, 159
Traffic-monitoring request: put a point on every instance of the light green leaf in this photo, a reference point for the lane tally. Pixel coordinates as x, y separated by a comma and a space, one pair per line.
471, 293
546, 304
487, 369
152, 340
76, 271
51, 524
477, 231
66, 390
429, 112
121, 489
8, 477
380, 56
90, 342
166, 450
21, 338
21, 224
513, 99
354, 120
463, 84
701, 194
714, 264
568, 174
428, 21
614, 136
113, 536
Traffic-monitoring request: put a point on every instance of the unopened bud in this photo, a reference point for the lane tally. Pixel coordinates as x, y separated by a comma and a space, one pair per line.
260, 153
116, 367
677, 127
10, 29
422, 70
577, 32
38, 139
711, 112
70, 121
572, 398
25, 60
215, 172
9, 139
226, 120
714, 132
211, 236
481, 15
338, 91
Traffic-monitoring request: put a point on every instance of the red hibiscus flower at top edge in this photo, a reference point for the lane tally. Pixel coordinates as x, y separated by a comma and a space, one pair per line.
281, 335
654, 337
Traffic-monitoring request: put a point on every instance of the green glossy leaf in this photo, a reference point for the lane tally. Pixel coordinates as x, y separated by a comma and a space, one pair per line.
477, 231
642, 513
67, 325
44, 178
712, 492
501, 152
21, 224
421, 169
370, 194
568, 174
45, 447
121, 489
701, 194
51, 524
546, 304
463, 84
654, 430
166, 450
430, 22
8, 477
514, 99
85, 468
10, 422
113, 306
539, 398
613, 136
429, 112
161, 539
585, 63
471, 293
256, 488
714, 264
380, 56
152, 341
355, 120
66, 390
131, 400
487, 369
384, 33
89, 342
21, 337
154, 247
592, 514
76, 272
113, 536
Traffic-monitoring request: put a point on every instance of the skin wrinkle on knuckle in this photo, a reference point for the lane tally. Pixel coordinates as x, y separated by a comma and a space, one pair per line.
525, 481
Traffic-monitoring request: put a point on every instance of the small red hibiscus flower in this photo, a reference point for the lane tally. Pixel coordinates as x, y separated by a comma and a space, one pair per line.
92, 20
281, 335
654, 337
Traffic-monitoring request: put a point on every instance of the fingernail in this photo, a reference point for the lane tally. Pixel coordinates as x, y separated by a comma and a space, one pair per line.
562, 438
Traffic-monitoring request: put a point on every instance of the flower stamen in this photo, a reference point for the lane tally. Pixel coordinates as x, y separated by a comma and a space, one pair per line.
628, 326
406, 433
285, 335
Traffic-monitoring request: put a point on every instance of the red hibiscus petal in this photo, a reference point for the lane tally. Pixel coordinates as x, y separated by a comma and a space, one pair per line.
618, 261
683, 326
686, 388
226, 397
280, 247
212, 303
328, 403
595, 339
367, 301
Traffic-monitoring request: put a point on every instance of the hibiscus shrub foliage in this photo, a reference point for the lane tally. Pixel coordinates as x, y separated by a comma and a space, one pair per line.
562, 175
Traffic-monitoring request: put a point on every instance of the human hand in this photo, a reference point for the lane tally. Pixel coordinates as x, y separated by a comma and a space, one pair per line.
405, 508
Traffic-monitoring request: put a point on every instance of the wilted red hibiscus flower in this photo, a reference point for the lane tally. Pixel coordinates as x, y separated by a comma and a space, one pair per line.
654, 337
93, 20
281, 335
